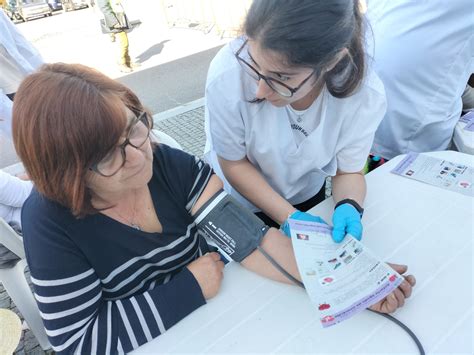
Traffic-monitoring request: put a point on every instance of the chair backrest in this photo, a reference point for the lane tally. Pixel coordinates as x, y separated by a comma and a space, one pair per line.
162, 137
11, 239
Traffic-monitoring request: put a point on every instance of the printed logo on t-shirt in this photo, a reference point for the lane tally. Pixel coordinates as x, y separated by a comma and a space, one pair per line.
297, 127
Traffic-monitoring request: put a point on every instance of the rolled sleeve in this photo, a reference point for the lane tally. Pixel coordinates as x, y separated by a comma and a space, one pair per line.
226, 125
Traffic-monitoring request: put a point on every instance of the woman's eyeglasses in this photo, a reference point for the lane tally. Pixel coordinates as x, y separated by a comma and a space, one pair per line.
277, 86
137, 136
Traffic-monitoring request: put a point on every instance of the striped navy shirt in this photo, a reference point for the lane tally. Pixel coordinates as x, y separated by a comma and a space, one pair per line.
104, 287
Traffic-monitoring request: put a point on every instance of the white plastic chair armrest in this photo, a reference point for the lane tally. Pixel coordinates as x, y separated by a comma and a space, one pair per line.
161, 137
11, 239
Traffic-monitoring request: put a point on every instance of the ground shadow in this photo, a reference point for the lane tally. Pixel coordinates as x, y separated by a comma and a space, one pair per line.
152, 51
171, 84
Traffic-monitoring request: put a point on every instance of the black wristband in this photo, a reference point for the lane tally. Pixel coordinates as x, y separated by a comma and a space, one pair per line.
353, 203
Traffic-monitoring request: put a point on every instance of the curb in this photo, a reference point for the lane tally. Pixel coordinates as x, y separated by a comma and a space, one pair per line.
178, 110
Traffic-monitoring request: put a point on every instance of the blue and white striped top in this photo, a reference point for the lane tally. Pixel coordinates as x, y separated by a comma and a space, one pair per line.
104, 287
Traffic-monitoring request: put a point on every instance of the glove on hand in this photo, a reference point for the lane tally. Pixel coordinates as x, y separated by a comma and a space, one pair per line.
300, 216
346, 220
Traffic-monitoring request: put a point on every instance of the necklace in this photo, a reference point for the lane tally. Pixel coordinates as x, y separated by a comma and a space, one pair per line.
298, 113
131, 222
313, 96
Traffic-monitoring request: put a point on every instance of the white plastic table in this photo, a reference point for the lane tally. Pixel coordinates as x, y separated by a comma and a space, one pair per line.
405, 221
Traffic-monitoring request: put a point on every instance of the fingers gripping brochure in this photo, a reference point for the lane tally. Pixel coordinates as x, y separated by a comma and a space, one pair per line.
341, 279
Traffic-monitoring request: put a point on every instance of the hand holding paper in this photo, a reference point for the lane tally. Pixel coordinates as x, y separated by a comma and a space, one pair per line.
346, 220
343, 279
299, 216
396, 299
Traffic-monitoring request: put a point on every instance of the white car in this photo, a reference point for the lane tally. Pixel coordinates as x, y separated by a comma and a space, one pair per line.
26, 9
70, 5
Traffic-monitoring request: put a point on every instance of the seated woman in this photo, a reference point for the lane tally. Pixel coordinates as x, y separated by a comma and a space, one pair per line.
113, 231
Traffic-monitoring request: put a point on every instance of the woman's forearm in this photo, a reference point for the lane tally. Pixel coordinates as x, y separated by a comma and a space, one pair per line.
274, 243
349, 185
248, 181
280, 249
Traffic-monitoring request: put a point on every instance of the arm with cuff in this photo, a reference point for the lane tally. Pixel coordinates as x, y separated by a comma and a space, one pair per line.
251, 184
242, 235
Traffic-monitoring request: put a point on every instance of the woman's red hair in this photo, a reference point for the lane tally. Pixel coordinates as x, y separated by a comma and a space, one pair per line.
66, 117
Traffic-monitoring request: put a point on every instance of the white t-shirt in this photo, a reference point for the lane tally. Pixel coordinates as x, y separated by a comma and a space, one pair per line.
424, 54
14, 49
13, 193
339, 137
6, 106
11, 76
25, 55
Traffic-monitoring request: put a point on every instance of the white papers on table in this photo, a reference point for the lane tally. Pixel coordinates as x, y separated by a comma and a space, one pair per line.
437, 172
468, 120
340, 279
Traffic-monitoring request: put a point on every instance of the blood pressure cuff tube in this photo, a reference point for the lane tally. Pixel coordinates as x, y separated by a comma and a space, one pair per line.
233, 228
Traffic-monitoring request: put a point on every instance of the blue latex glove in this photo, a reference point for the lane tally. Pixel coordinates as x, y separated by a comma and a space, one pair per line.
346, 220
300, 216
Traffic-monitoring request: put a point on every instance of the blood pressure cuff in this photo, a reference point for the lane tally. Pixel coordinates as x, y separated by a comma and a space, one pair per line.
233, 228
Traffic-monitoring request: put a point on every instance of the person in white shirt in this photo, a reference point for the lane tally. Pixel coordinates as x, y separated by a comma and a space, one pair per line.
6, 106
292, 102
13, 193
18, 58
424, 54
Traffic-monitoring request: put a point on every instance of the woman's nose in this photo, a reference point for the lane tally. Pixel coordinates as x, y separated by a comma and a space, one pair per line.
133, 153
263, 90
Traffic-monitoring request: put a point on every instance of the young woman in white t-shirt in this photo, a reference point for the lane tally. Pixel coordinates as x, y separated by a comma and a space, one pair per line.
292, 102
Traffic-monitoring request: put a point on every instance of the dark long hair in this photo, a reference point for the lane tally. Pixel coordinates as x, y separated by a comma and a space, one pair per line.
310, 33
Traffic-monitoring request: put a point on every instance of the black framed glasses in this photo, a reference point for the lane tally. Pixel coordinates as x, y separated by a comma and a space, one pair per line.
136, 137
277, 86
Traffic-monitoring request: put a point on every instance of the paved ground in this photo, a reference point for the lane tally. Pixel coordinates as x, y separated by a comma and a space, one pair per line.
188, 130
28, 343
174, 61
